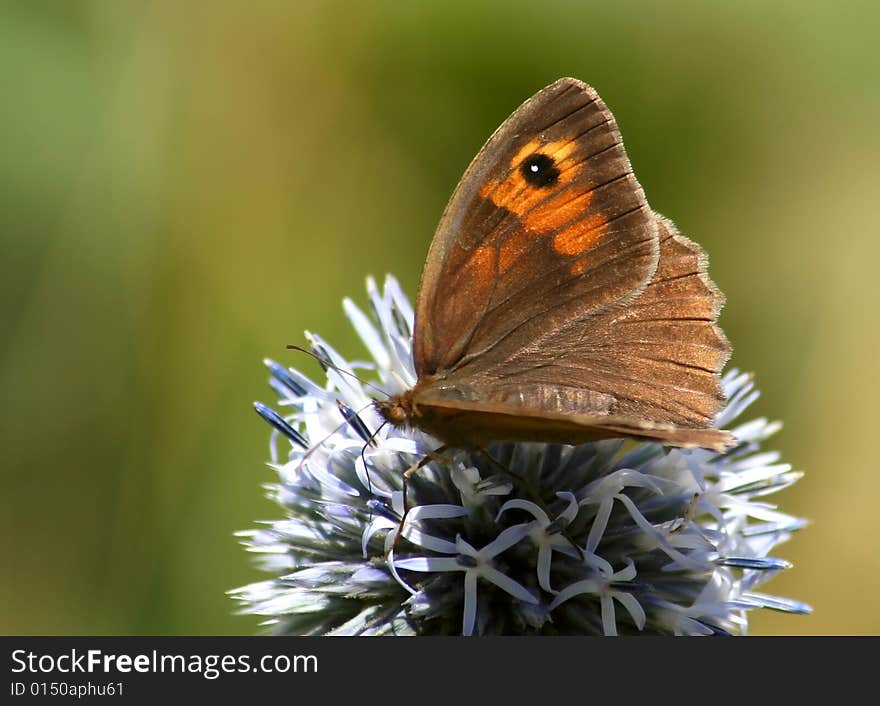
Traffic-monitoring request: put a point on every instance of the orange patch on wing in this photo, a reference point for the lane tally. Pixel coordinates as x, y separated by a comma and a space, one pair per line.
479, 271
530, 148
560, 150
513, 248
502, 193
581, 236
518, 196
556, 212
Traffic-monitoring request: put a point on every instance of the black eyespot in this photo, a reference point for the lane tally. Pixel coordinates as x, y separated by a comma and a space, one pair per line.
539, 170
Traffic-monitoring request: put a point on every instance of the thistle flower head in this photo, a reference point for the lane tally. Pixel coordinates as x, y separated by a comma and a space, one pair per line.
606, 538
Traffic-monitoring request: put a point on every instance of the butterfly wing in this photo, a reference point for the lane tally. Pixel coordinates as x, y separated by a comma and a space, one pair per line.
555, 305
547, 225
649, 368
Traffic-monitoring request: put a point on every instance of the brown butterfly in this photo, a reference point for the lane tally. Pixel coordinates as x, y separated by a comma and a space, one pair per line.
555, 305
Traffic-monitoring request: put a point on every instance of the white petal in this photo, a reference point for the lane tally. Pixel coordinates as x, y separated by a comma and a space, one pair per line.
402, 444
373, 485
329, 479
437, 512
505, 540
754, 430
393, 290
528, 506
572, 510
377, 525
403, 371
464, 548
426, 564
609, 620
589, 586
736, 406
427, 541
628, 573
545, 556
636, 514
600, 522
594, 561
633, 607
368, 333
470, 603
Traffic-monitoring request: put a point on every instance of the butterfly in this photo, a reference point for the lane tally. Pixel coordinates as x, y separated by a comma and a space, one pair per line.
555, 305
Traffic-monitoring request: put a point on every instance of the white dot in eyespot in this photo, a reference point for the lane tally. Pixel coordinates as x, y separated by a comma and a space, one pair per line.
534, 168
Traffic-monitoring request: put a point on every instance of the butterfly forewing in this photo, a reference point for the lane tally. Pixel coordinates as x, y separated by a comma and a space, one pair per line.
547, 225
555, 305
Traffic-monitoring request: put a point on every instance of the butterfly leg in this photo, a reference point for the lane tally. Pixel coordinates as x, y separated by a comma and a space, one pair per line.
689, 515
435, 455
509, 472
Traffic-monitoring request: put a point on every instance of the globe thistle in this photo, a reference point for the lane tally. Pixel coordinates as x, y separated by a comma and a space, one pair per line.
607, 538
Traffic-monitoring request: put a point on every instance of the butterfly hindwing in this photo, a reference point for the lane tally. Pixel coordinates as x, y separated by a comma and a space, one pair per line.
647, 368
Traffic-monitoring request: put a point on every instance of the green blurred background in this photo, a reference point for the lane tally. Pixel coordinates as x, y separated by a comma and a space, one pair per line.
187, 186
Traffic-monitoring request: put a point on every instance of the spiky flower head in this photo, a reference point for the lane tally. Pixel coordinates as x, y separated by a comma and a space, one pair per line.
606, 538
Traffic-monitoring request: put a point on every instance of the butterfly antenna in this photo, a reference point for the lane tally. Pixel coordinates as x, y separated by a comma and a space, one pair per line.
325, 363
369, 438
360, 427
370, 442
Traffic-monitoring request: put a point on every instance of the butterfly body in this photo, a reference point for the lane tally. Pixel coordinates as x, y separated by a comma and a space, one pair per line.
555, 305
470, 425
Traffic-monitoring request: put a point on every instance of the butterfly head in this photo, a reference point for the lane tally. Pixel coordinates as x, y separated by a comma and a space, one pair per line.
397, 409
